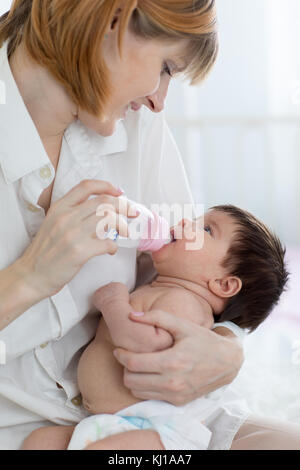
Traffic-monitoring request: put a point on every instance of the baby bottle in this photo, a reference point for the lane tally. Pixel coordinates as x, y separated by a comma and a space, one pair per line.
147, 232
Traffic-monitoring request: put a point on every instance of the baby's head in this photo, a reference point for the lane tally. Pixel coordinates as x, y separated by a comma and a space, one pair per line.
241, 261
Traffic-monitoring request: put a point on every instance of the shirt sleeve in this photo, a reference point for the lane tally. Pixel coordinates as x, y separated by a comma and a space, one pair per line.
236, 330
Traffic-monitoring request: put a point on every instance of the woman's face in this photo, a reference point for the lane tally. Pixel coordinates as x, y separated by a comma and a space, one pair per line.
141, 76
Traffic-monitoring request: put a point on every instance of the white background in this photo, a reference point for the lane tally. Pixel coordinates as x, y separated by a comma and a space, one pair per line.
239, 131
5, 5
239, 134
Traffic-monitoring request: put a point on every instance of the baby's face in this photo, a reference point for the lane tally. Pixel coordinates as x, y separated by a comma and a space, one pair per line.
205, 263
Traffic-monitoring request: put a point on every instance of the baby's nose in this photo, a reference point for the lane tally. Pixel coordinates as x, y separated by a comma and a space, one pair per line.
183, 228
186, 222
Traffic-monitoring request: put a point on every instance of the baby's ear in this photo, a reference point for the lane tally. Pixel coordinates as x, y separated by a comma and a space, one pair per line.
227, 287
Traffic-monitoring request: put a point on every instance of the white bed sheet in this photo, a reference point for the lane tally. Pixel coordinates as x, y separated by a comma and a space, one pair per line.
270, 376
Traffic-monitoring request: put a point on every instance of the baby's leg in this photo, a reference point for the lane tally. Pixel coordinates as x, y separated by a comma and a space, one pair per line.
49, 438
144, 439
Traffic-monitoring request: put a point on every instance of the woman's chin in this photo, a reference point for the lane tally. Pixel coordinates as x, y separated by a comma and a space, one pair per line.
104, 128
108, 128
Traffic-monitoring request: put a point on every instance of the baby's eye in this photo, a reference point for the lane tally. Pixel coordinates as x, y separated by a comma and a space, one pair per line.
208, 229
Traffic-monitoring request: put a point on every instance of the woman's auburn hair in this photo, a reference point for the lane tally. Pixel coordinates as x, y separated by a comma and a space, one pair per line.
65, 37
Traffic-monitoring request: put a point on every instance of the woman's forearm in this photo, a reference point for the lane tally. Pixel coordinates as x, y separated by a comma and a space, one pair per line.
16, 294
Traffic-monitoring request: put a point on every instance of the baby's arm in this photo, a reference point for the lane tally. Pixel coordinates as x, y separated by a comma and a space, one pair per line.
114, 303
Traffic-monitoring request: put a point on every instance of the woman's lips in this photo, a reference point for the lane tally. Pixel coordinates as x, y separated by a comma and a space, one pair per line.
135, 106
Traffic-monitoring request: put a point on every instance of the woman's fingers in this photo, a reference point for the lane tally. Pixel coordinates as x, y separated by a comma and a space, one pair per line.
141, 362
100, 226
103, 203
98, 214
86, 188
148, 395
102, 247
69, 235
177, 327
157, 362
168, 386
143, 382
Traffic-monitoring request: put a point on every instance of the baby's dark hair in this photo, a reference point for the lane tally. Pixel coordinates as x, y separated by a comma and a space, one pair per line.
256, 256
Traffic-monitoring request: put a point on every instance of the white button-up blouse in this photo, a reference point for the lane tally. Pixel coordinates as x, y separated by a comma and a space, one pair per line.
38, 380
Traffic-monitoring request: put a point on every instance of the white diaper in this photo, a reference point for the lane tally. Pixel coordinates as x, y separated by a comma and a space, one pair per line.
176, 429
199, 425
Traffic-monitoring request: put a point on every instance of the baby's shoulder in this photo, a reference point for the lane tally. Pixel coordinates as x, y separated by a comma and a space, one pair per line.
180, 297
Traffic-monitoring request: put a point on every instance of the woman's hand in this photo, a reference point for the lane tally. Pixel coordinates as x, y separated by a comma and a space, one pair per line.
199, 362
69, 236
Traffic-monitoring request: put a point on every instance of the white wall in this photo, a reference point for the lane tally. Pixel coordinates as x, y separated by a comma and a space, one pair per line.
5, 6
239, 132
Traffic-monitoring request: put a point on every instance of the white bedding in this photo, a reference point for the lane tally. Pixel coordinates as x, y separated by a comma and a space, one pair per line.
270, 376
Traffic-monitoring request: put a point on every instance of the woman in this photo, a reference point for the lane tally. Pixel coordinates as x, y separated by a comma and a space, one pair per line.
71, 72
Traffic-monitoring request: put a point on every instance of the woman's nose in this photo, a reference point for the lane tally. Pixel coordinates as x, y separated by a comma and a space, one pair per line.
156, 102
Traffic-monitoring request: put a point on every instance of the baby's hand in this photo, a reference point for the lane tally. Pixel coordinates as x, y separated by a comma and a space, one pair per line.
108, 294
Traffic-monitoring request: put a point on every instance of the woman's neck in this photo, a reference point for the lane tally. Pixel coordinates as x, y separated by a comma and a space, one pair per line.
47, 102
216, 303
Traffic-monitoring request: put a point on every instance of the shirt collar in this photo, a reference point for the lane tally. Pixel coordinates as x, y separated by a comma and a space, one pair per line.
21, 150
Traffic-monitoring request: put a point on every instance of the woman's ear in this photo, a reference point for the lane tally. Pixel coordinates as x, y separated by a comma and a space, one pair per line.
226, 287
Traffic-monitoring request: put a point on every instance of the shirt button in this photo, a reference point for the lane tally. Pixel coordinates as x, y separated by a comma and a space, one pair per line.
32, 208
45, 173
77, 401
44, 345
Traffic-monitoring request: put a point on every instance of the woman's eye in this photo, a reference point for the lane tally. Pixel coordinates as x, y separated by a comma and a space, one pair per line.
208, 229
166, 69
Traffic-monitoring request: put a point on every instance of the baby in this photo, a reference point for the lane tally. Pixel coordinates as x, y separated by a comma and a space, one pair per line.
237, 276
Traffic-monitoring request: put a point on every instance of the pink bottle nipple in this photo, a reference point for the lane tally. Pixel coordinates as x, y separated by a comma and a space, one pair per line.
156, 234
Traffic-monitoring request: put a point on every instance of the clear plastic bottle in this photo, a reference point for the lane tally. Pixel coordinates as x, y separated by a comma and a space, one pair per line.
147, 232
